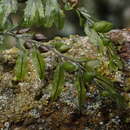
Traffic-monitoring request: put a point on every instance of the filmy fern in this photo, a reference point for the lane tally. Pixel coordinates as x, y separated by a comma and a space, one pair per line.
58, 82
21, 65
6, 8
39, 63
109, 87
33, 12
80, 85
48, 13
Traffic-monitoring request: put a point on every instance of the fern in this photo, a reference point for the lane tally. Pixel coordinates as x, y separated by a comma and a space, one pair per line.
21, 65
80, 85
6, 8
39, 63
34, 12
58, 82
111, 90
53, 14
48, 13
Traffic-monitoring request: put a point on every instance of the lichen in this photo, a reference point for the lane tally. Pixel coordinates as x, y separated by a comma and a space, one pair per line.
29, 99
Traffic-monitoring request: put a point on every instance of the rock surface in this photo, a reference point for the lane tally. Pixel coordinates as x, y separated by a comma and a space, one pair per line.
25, 105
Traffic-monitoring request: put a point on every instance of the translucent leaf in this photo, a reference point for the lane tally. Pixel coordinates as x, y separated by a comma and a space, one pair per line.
112, 93
115, 62
50, 12
81, 19
112, 65
49, 20
68, 6
93, 63
102, 26
86, 15
81, 90
6, 8
53, 14
21, 65
92, 34
59, 19
34, 12
7, 42
84, 12
69, 67
87, 29
43, 12
39, 63
58, 82
88, 76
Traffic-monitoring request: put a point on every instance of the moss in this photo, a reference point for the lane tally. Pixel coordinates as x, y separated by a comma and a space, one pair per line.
18, 99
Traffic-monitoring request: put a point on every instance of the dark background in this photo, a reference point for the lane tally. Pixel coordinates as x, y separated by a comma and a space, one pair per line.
115, 11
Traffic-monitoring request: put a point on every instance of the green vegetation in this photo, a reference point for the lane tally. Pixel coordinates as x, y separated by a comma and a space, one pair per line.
48, 13
102, 26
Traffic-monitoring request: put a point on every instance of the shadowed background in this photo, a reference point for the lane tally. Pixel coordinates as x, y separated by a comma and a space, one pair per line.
115, 11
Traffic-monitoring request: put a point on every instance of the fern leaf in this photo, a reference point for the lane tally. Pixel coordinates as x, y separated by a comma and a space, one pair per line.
33, 12
92, 34
58, 82
39, 63
112, 93
53, 14
81, 90
6, 8
21, 65
59, 19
